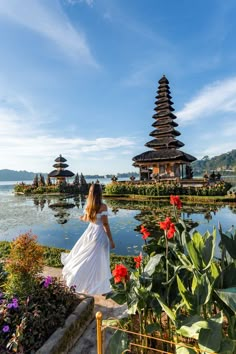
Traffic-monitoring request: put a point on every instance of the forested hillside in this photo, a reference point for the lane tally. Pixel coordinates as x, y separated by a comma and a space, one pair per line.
11, 175
223, 163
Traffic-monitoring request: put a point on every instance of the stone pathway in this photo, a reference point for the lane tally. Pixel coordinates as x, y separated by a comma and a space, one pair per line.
87, 343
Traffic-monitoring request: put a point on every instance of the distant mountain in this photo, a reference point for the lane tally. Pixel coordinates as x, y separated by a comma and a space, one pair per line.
11, 175
19, 176
224, 163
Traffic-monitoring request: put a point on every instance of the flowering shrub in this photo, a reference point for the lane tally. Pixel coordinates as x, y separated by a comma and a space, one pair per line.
25, 261
179, 290
31, 306
25, 324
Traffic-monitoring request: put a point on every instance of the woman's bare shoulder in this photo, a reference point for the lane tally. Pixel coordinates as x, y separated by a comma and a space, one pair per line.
103, 208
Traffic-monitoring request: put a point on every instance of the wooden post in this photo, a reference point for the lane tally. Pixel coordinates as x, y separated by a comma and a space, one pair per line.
99, 332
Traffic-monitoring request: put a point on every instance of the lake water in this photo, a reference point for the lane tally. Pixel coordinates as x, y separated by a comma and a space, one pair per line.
61, 227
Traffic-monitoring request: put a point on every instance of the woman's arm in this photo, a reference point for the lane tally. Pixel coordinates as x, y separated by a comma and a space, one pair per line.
107, 230
83, 217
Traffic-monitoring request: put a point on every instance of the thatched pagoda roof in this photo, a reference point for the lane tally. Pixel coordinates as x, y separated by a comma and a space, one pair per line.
163, 155
160, 132
164, 143
60, 159
60, 165
60, 168
61, 173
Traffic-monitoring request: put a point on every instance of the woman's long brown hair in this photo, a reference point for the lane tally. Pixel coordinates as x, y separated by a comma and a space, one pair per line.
94, 201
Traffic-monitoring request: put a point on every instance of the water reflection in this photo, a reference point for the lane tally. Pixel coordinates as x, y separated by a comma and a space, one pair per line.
56, 220
201, 217
60, 206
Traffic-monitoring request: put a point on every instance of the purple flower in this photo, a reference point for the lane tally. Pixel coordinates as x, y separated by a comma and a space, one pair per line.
47, 281
6, 329
15, 303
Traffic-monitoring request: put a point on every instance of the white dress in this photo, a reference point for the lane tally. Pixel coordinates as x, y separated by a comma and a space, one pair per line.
87, 266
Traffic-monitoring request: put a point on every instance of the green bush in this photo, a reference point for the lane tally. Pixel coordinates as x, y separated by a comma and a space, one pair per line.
164, 188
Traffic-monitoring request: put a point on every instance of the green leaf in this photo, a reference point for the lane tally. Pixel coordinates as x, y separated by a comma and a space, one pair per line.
210, 338
190, 328
213, 272
208, 250
152, 263
118, 297
165, 308
201, 289
194, 247
187, 297
118, 342
181, 349
228, 296
227, 346
152, 327
230, 244
201, 248
113, 322
185, 261
229, 276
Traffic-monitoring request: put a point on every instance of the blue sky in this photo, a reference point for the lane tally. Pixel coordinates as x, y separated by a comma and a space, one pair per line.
79, 78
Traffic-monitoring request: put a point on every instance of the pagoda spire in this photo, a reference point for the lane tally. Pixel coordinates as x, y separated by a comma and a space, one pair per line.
60, 173
164, 159
165, 132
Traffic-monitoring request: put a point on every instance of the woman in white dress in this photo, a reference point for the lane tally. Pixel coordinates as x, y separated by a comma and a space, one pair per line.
87, 266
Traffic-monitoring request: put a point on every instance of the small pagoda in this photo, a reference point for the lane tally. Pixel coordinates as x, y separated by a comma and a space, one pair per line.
165, 160
60, 173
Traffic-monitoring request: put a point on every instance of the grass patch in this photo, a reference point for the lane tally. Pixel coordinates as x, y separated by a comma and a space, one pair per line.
52, 256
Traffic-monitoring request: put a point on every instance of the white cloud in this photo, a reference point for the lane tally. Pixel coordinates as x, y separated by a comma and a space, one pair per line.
51, 23
217, 149
74, 2
26, 142
215, 98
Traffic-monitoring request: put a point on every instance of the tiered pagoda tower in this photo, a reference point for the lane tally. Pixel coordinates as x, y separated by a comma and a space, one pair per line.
165, 160
60, 173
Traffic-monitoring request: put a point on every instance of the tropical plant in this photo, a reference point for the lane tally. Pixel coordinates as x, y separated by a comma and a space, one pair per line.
179, 290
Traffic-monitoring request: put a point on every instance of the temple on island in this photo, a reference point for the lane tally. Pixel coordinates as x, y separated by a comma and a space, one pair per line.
60, 173
165, 160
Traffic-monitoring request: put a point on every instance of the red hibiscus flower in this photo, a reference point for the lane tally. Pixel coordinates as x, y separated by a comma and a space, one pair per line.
120, 273
165, 225
145, 232
169, 227
138, 260
175, 200
171, 231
